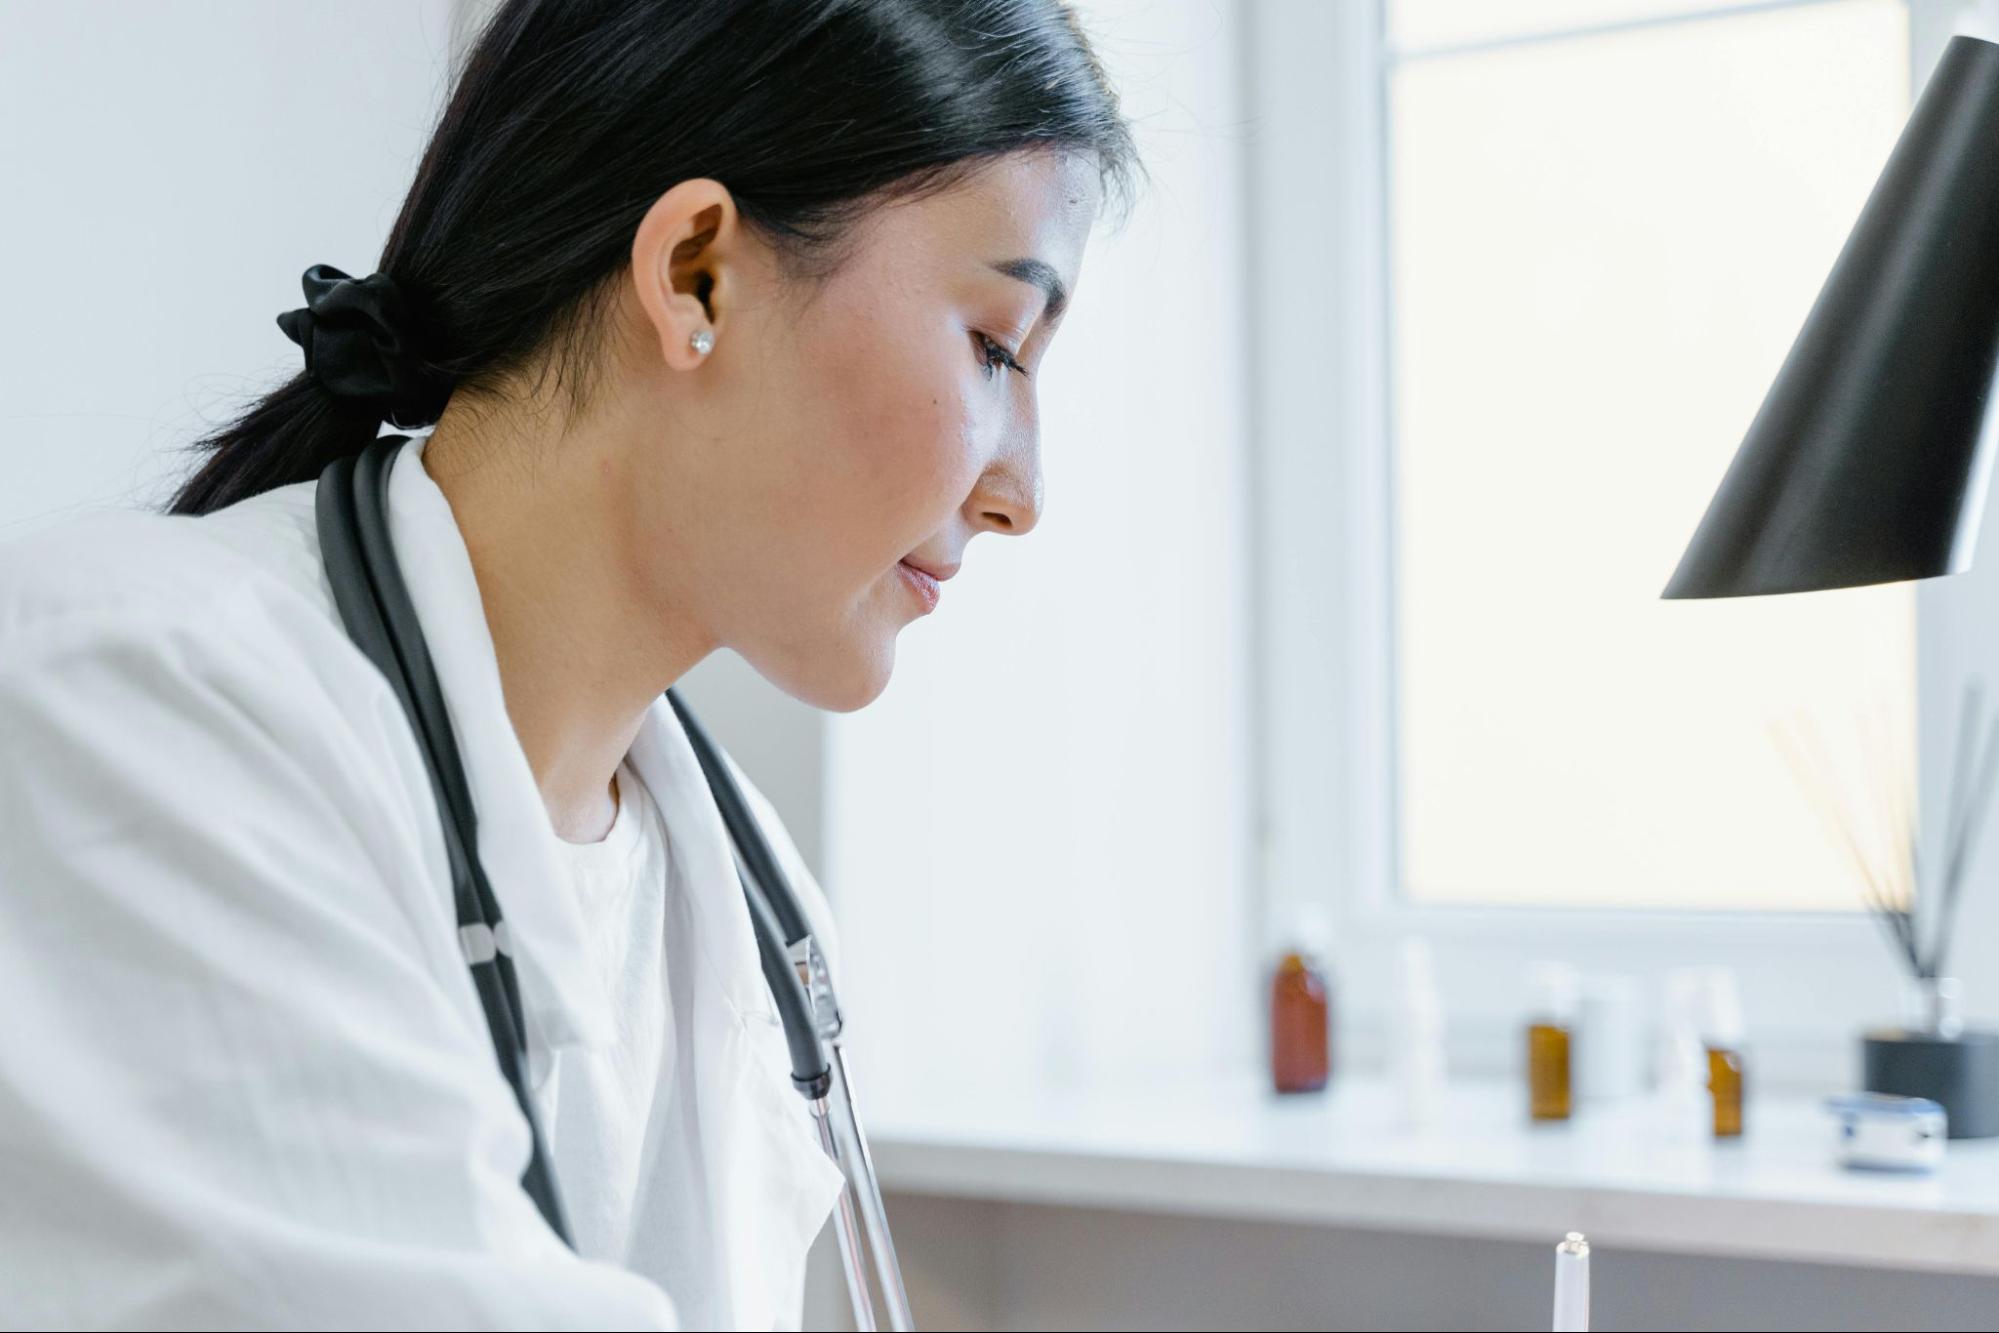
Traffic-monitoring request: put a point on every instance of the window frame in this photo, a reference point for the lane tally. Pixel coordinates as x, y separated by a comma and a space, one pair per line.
1322, 608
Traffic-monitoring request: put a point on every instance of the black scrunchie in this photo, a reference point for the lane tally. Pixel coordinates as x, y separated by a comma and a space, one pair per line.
356, 336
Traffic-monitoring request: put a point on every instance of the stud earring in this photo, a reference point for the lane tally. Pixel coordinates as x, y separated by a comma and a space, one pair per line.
702, 341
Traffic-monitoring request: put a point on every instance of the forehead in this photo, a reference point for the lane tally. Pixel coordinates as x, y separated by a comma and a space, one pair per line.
1026, 205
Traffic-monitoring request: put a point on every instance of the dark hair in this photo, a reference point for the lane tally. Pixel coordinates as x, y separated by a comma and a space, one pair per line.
571, 117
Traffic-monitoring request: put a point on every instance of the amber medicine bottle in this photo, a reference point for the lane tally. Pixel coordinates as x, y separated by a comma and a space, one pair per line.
1301, 1051
1723, 1033
1551, 1042
1724, 1081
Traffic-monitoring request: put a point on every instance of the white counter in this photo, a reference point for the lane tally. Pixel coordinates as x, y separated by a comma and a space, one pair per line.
1235, 1150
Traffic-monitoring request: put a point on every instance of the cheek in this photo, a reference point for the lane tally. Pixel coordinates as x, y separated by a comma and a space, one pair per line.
922, 466
902, 450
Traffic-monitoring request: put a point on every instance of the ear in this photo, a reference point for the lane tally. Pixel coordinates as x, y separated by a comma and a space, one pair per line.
683, 265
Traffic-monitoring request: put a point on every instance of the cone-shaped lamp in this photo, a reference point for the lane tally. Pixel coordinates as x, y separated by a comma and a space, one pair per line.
1868, 461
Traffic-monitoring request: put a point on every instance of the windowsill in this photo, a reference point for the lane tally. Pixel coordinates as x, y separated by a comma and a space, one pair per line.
1230, 1149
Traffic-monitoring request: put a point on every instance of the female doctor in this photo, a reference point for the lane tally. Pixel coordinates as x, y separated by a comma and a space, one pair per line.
724, 315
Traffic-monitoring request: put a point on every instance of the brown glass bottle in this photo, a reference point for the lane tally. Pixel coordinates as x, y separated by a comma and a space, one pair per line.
1550, 1044
1300, 1026
1549, 1093
1724, 1081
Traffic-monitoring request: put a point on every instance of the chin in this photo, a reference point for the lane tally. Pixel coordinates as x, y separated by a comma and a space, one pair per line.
839, 681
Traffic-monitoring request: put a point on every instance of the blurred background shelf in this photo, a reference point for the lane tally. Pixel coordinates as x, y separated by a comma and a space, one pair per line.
1230, 1149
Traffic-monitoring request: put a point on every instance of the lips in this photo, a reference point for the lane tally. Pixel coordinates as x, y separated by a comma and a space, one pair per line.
920, 582
937, 572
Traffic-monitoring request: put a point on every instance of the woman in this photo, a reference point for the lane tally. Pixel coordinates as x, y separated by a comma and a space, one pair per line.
723, 314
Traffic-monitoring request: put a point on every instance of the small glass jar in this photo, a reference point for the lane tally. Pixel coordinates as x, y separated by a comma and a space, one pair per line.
1301, 1054
1551, 1042
1724, 1082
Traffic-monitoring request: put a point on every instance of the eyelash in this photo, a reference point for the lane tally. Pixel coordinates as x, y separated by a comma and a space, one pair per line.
997, 356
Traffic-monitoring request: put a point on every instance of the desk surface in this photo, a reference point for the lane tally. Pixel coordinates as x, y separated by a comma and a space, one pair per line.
1232, 1149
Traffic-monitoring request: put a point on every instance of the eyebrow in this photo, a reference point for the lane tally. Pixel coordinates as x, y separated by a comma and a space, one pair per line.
1041, 275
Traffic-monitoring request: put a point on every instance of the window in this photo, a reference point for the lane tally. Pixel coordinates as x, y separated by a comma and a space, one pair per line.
1600, 241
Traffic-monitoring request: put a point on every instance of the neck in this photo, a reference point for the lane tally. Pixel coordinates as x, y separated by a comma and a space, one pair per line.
583, 649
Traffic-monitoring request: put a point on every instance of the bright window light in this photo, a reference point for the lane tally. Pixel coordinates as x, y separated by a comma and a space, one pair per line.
1601, 247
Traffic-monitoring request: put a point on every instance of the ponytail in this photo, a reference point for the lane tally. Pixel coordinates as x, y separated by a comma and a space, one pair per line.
290, 435
363, 359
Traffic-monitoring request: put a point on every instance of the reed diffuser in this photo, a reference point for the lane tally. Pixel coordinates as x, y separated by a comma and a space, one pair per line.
1915, 899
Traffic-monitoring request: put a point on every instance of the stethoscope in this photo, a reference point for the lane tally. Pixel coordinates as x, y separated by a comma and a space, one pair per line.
374, 604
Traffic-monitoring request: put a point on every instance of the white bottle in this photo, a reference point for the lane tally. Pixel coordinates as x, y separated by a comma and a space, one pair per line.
1609, 1044
1416, 1038
1683, 1110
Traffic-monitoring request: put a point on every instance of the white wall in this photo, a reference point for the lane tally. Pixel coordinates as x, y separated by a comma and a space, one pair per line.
171, 170
1038, 836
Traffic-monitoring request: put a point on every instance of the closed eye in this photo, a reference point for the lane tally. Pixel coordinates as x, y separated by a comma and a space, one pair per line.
996, 357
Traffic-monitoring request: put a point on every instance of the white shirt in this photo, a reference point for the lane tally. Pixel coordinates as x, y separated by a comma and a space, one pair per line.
245, 1079
598, 1108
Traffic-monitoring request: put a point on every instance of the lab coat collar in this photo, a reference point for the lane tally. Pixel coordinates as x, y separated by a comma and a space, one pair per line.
780, 1183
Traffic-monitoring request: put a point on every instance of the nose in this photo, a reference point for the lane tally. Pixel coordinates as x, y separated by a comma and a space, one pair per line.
1008, 497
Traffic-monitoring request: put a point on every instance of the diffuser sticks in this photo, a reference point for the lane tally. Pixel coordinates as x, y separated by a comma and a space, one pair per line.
1917, 914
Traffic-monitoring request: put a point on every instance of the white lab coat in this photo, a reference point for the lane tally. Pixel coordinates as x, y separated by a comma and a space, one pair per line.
244, 1076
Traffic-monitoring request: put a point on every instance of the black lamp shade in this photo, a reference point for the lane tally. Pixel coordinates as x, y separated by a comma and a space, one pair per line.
1868, 461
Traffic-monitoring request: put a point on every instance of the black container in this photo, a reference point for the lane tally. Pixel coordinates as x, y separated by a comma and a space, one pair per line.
1960, 1073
